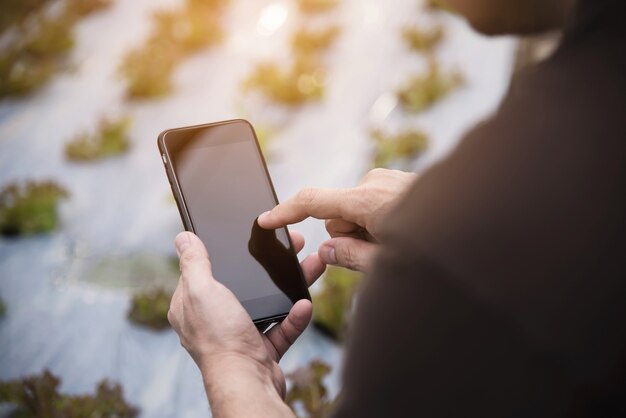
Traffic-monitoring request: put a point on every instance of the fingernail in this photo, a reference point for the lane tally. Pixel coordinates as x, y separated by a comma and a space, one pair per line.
263, 215
181, 242
327, 254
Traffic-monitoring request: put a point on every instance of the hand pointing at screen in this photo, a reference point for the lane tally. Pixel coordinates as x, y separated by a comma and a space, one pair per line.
352, 215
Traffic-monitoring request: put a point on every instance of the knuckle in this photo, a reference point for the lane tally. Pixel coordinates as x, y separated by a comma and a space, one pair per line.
307, 196
170, 317
197, 294
375, 172
347, 255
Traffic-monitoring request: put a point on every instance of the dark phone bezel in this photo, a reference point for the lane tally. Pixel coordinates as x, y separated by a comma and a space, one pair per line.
182, 207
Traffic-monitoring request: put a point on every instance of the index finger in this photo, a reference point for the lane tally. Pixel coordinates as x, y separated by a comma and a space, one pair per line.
311, 202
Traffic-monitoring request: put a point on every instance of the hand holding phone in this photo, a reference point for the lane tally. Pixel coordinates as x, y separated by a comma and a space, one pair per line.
233, 356
221, 185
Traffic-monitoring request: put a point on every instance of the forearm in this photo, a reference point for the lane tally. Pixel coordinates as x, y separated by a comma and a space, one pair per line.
240, 388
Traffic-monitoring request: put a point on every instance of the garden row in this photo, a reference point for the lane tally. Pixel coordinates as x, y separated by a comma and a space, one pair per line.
36, 39
43, 40
38, 396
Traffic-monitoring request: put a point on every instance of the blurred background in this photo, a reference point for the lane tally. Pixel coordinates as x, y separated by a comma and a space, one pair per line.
87, 220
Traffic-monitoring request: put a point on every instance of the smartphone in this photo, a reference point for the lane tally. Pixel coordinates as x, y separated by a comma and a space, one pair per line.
221, 185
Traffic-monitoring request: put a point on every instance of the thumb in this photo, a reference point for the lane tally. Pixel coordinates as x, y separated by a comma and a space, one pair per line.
283, 335
352, 253
195, 267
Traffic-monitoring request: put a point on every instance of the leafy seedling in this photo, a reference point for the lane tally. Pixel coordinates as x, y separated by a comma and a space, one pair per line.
176, 35
15, 12
27, 65
41, 43
424, 90
39, 397
147, 71
111, 139
309, 41
30, 208
299, 84
333, 304
308, 391
149, 309
404, 146
423, 40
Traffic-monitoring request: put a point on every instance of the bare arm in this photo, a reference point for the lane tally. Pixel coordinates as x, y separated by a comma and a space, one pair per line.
238, 388
239, 365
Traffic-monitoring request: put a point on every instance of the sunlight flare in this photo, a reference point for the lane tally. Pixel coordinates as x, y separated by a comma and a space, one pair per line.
272, 18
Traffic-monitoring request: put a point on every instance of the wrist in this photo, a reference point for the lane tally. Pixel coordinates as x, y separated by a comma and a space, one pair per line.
226, 367
236, 383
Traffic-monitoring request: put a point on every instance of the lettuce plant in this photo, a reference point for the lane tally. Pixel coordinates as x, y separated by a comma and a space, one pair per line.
39, 397
308, 393
149, 308
333, 303
111, 139
30, 208
404, 146
425, 89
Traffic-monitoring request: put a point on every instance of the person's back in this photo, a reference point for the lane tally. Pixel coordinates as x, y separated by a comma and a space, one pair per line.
501, 287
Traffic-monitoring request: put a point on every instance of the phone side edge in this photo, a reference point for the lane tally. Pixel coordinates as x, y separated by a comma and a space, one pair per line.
171, 178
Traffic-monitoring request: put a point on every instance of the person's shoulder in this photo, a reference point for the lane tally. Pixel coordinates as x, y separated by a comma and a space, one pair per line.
527, 212
556, 142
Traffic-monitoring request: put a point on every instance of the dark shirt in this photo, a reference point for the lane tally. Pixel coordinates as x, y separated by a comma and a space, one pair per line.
500, 290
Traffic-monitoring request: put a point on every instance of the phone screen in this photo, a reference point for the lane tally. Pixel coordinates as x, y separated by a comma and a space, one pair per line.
224, 186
